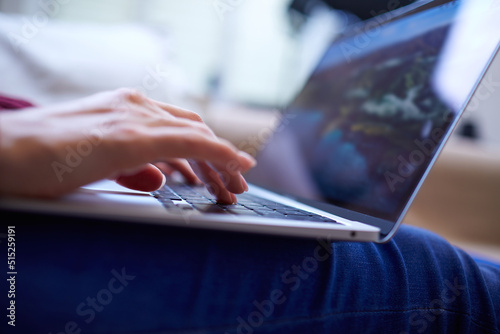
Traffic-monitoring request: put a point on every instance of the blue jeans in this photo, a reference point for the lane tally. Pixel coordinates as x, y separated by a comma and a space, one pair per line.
75, 276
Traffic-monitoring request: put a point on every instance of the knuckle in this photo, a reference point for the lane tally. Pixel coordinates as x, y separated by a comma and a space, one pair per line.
224, 151
199, 144
130, 94
195, 129
194, 138
203, 128
128, 130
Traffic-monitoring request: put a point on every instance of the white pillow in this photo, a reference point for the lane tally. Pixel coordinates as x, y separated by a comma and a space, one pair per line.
57, 61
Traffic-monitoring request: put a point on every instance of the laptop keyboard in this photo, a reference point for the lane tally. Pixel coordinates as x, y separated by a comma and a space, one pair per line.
182, 198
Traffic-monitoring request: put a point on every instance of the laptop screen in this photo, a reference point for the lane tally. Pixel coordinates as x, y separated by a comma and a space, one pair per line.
372, 116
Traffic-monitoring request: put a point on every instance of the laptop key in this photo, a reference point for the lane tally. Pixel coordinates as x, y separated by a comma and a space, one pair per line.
244, 212
209, 208
183, 198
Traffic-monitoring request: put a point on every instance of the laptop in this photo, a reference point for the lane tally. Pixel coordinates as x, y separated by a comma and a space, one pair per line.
352, 148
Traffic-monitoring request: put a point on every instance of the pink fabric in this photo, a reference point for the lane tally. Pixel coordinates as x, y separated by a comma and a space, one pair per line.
11, 103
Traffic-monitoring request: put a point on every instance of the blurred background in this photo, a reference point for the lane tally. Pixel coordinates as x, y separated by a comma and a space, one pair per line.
237, 63
254, 52
192, 52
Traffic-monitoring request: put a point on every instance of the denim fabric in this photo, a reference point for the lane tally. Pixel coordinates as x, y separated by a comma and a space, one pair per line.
82, 277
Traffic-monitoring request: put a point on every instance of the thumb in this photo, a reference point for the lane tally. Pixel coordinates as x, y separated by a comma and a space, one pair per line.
148, 178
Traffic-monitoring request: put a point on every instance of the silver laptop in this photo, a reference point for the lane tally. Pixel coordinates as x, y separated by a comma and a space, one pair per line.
352, 148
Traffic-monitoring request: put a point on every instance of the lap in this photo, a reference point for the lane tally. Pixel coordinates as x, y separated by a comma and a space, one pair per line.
125, 278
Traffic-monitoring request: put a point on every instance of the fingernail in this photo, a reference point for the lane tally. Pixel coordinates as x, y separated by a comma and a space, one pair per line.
251, 160
163, 181
244, 183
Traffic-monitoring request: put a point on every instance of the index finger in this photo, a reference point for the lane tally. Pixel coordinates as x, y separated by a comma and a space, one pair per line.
178, 112
139, 146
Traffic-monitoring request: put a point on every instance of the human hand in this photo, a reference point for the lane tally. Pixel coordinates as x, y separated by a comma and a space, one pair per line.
51, 151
